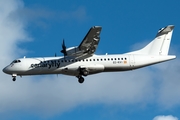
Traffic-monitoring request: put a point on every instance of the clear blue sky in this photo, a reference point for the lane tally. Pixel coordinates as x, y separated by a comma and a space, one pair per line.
35, 28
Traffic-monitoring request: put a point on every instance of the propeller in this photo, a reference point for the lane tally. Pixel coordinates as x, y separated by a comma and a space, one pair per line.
64, 48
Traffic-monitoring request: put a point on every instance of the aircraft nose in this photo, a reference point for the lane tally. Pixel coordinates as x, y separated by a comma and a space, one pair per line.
6, 70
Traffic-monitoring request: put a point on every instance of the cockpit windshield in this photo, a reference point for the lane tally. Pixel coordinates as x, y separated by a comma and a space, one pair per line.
16, 61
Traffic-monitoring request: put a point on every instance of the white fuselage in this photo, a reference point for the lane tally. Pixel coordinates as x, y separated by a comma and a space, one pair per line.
94, 64
81, 61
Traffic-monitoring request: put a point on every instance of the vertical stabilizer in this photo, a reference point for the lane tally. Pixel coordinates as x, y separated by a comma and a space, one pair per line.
160, 45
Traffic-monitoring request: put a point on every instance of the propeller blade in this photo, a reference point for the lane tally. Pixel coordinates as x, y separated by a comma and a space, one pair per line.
64, 48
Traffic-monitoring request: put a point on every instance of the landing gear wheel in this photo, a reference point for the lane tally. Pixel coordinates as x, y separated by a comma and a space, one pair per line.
14, 79
81, 80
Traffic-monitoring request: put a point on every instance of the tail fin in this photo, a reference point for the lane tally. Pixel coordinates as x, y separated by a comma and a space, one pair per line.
160, 45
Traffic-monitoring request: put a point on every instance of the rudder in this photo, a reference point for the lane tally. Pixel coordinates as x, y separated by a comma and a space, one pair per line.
166, 35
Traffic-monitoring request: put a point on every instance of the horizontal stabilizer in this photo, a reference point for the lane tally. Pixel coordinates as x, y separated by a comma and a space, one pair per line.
165, 30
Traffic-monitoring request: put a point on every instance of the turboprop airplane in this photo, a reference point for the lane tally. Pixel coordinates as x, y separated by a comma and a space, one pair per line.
81, 61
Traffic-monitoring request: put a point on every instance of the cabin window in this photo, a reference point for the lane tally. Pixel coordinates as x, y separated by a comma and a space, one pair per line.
114, 58
65, 60
101, 59
108, 59
62, 61
94, 59
104, 59
118, 58
125, 58
111, 58
97, 59
121, 58
86, 59
89, 59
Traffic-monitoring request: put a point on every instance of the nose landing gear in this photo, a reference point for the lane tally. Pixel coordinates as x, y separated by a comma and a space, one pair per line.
14, 77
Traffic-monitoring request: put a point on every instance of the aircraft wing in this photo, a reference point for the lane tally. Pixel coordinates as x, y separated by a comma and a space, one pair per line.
87, 47
90, 41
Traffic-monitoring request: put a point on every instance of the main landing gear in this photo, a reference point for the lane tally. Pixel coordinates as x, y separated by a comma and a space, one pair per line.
80, 79
83, 72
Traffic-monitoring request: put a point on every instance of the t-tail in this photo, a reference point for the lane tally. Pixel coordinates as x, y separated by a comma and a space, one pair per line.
160, 45
156, 51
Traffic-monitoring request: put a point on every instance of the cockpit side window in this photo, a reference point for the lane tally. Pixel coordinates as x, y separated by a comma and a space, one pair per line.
16, 61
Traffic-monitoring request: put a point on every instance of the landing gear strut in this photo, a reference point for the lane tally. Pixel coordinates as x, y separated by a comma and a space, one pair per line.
80, 79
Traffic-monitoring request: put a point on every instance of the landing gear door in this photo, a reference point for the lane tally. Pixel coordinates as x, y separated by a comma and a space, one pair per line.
132, 61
